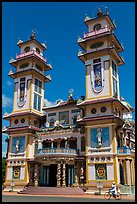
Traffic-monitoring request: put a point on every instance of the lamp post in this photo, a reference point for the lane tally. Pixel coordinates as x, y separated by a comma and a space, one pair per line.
12, 185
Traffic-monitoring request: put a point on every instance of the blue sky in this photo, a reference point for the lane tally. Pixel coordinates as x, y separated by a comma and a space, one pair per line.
59, 24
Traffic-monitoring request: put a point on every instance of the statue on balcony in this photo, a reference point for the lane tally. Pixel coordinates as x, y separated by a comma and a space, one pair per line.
99, 137
17, 144
47, 124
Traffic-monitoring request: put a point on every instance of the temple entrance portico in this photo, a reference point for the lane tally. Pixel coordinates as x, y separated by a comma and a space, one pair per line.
54, 172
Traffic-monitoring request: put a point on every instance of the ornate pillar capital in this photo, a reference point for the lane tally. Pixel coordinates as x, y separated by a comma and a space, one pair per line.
64, 175
59, 174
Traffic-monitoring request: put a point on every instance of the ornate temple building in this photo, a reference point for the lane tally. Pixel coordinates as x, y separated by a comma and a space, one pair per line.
77, 141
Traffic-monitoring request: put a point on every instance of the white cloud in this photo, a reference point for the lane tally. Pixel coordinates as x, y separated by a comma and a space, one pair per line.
6, 101
9, 83
4, 135
3, 154
49, 103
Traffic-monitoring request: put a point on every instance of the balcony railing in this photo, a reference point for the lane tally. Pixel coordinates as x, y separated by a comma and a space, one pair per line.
32, 52
97, 32
123, 150
62, 151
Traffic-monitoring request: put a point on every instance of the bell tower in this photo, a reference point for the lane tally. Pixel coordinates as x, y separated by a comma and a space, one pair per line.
27, 115
102, 108
29, 78
101, 57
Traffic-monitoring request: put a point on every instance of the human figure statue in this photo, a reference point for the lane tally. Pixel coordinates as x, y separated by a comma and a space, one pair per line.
47, 124
99, 137
17, 144
56, 123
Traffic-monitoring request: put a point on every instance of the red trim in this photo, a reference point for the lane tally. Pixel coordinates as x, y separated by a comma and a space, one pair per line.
97, 32
21, 113
22, 128
102, 101
85, 119
31, 52
96, 101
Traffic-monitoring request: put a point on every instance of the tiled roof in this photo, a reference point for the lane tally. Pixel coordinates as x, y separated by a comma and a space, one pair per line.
61, 104
10, 129
20, 113
90, 102
86, 119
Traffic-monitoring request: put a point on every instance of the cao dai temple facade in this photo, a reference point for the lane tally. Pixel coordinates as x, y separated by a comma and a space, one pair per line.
77, 141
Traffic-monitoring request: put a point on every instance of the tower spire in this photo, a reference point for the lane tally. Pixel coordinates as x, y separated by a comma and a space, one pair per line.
32, 37
99, 13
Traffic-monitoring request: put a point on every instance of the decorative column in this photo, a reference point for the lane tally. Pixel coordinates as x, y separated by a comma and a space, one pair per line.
59, 174
128, 172
64, 175
68, 175
36, 175
76, 175
31, 169
125, 141
132, 173
124, 169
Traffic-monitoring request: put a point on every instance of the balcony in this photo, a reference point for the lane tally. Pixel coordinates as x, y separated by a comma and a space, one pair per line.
123, 150
97, 32
30, 53
56, 151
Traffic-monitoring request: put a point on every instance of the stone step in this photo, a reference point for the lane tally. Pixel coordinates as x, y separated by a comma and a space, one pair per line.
52, 191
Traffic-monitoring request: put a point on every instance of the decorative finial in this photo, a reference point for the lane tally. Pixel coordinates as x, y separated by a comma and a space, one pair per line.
70, 93
122, 98
99, 13
106, 10
5, 114
32, 37
86, 18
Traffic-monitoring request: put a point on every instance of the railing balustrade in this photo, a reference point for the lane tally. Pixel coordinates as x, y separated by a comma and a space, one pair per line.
32, 52
69, 151
123, 150
97, 32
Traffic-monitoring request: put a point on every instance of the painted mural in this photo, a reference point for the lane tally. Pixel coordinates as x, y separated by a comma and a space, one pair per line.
18, 144
101, 172
100, 137
16, 172
97, 77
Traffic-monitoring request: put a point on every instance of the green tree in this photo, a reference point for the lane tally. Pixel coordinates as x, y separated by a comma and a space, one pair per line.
3, 169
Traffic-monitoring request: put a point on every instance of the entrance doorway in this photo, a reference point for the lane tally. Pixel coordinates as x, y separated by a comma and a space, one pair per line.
52, 175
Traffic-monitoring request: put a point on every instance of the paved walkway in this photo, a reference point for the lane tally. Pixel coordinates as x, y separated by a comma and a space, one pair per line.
127, 197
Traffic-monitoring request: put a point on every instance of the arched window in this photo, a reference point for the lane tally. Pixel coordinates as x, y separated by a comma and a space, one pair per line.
38, 50
73, 143
97, 27
27, 49
75, 119
45, 144
82, 144
51, 124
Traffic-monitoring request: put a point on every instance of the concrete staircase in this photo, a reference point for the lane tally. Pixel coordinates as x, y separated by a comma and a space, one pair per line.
52, 191
16, 188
